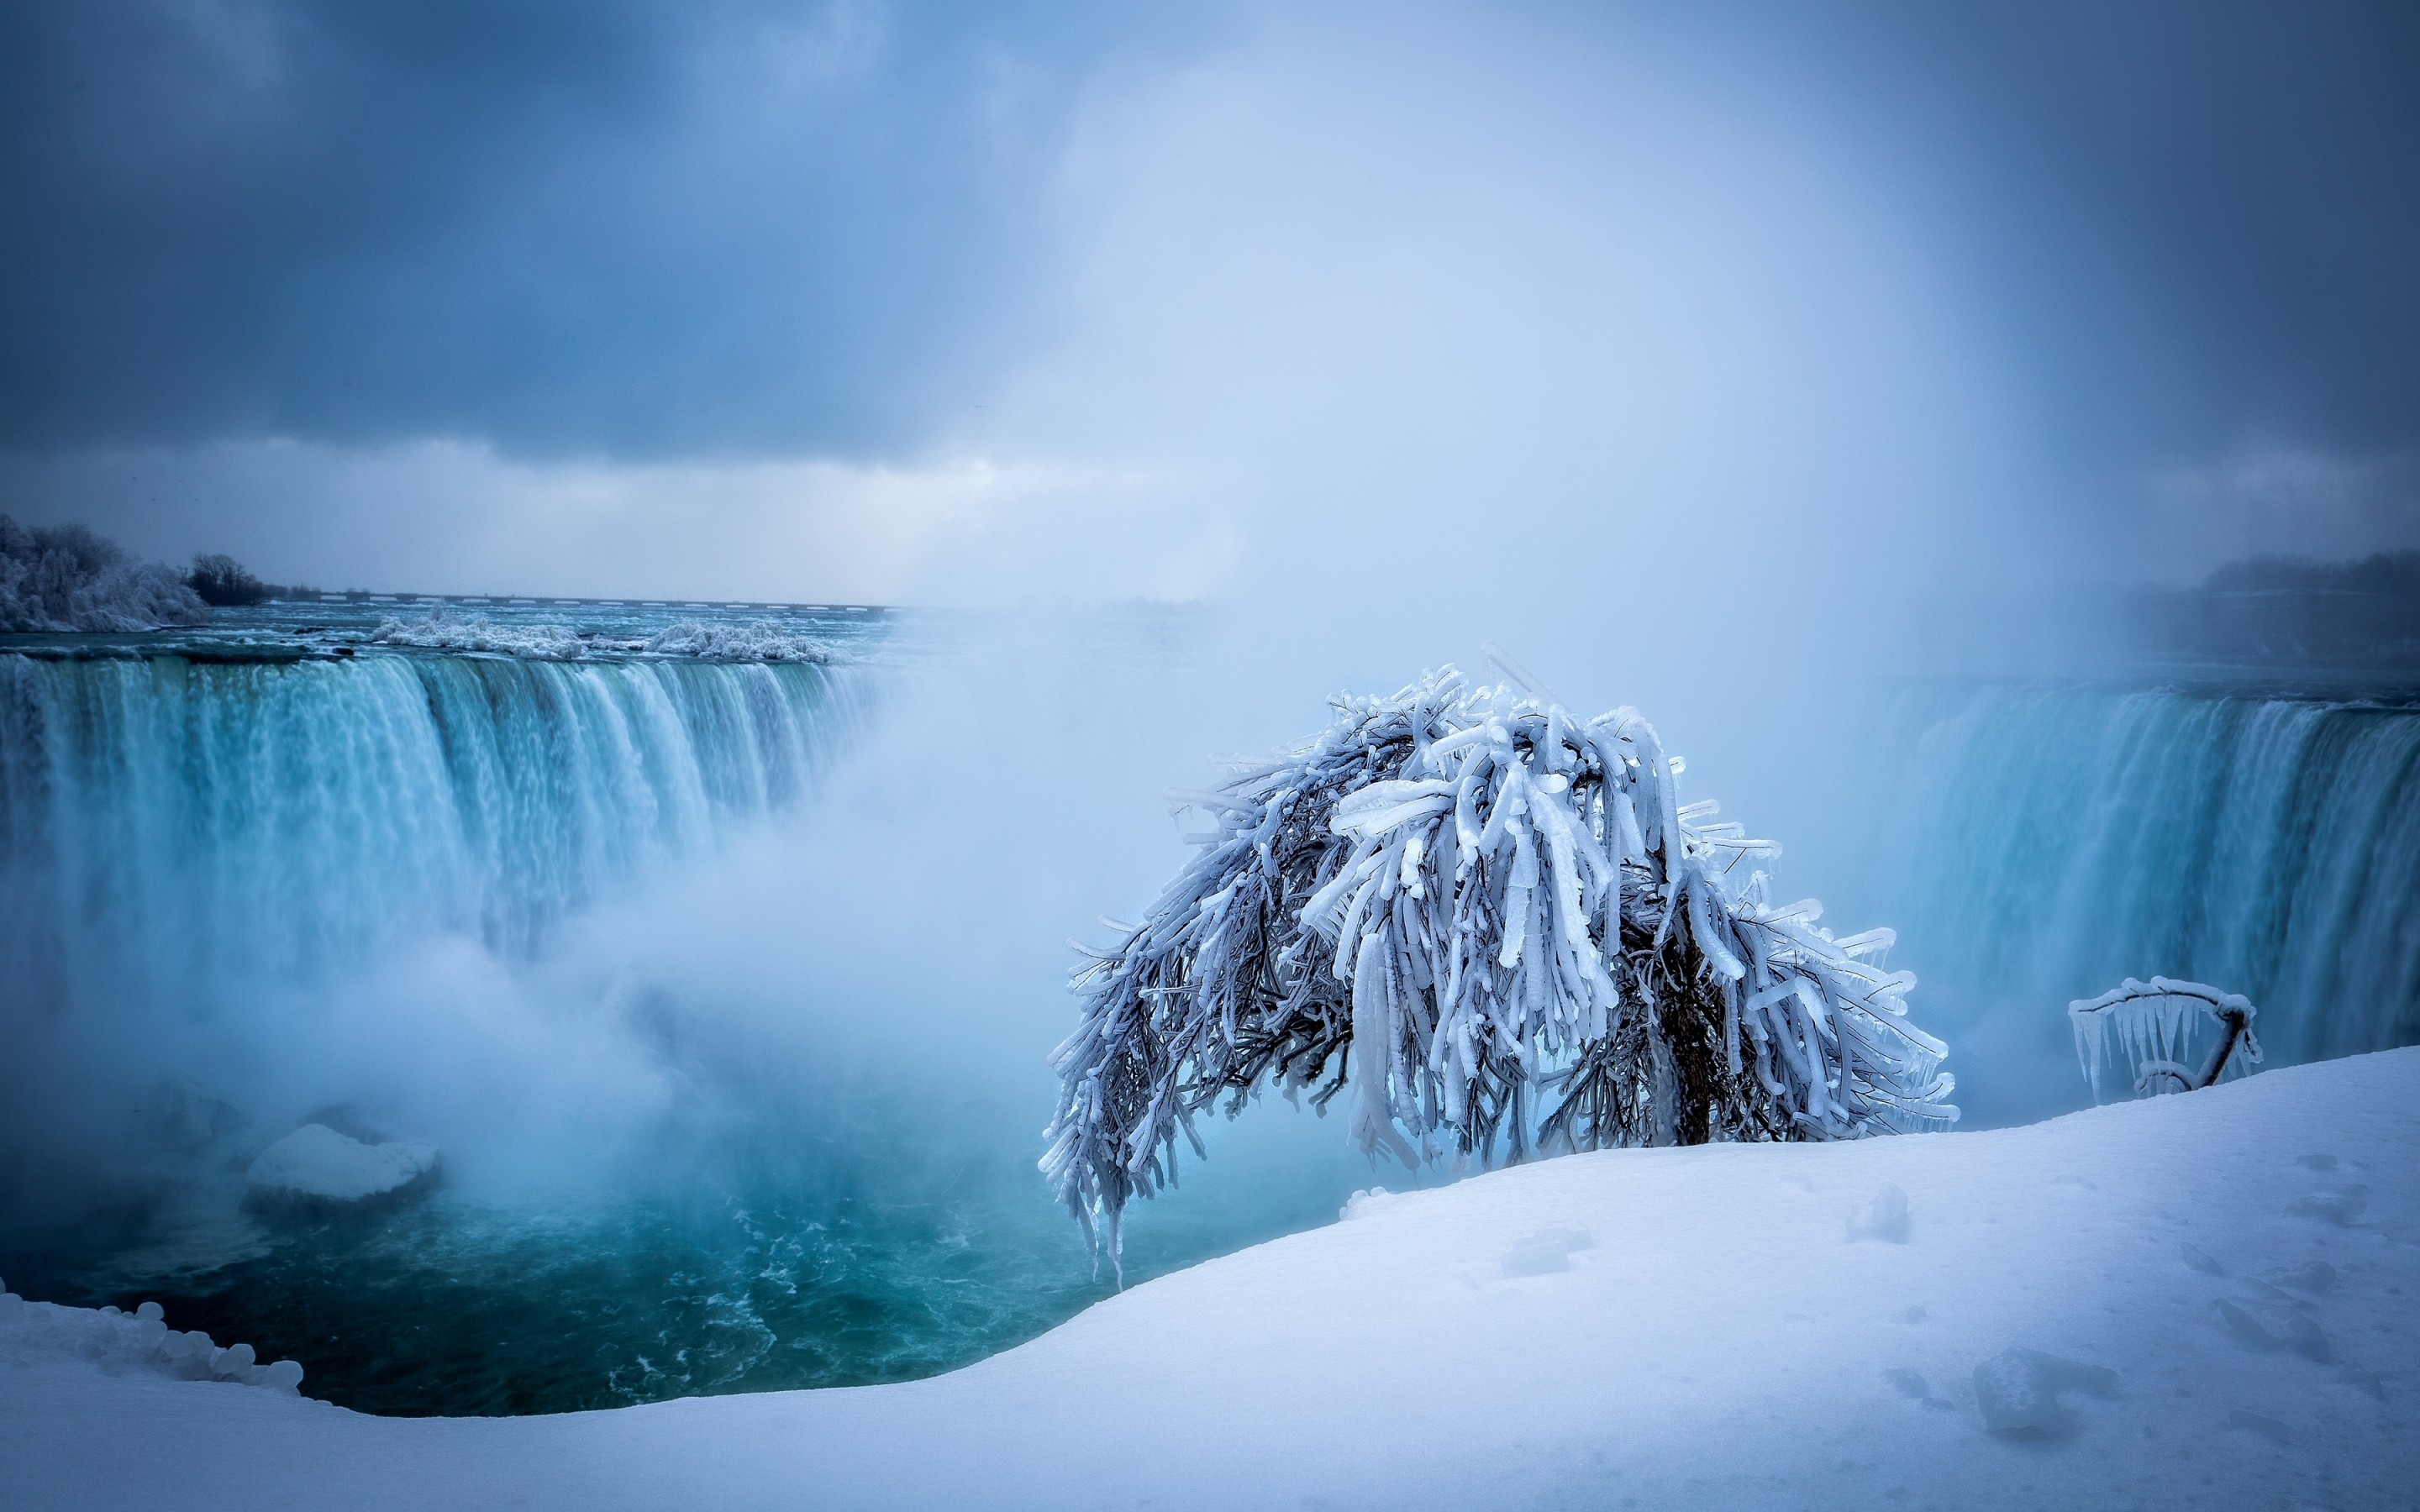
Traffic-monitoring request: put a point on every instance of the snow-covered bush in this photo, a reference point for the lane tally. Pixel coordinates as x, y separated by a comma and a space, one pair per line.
2153, 1028
1498, 926
65, 578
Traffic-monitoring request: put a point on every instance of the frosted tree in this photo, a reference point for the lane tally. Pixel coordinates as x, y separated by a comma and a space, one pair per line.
65, 578
2153, 1028
1497, 930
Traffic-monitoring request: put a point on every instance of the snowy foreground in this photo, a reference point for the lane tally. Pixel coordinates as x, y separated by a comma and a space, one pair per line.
2228, 1274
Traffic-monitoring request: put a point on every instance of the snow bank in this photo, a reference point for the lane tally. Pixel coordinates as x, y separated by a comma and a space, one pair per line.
111, 1343
2200, 1300
317, 1167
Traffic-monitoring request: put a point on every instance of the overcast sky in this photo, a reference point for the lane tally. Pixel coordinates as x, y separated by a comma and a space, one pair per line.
982, 302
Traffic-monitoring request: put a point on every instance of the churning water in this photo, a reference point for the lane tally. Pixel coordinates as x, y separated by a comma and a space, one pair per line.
215, 844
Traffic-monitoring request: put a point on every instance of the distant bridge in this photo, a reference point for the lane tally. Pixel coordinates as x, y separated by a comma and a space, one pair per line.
498, 600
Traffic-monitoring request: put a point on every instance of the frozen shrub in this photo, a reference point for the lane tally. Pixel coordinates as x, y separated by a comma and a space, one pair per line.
1498, 924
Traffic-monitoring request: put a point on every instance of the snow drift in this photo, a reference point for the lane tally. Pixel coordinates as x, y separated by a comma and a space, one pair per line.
2199, 1300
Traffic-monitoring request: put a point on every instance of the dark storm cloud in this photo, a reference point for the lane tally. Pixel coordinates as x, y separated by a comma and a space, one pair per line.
557, 224
650, 230
2199, 218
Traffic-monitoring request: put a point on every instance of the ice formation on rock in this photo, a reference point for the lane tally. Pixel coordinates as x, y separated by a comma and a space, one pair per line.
757, 641
1499, 924
439, 630
700, 639
315, 1166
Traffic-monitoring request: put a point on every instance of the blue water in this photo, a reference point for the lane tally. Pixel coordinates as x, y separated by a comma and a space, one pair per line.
230, 850
227, 856
2051, 839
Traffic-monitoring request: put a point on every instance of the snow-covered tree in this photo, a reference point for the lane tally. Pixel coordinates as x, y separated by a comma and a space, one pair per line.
2154, 1026
65, 578
1500, 928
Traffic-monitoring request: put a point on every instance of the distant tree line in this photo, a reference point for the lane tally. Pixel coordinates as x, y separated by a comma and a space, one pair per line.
2291, 610
223, 583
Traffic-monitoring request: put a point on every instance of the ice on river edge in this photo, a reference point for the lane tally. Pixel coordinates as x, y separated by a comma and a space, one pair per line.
118, 1342
760, 640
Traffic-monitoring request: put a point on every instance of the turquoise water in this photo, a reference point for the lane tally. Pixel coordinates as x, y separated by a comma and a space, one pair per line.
456, 1307
224, 843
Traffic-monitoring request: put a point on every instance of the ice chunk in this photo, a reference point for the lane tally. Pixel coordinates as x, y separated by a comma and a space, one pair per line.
2268, 1427
286, 1375
2265, 1325
2335, 1204
713, 641
317, 1167
150, 1309
235, 1360
2017, 1392
2196, 1259
1884, 1218
441, 631
12, 1306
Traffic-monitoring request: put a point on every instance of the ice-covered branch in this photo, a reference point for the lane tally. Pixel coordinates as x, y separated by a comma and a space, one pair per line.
1496, 924
2154, 1025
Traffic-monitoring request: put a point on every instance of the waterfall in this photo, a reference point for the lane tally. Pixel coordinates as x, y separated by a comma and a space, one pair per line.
171, 826
2057, 839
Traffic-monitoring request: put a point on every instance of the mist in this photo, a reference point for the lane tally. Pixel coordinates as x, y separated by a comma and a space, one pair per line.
1736, 372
